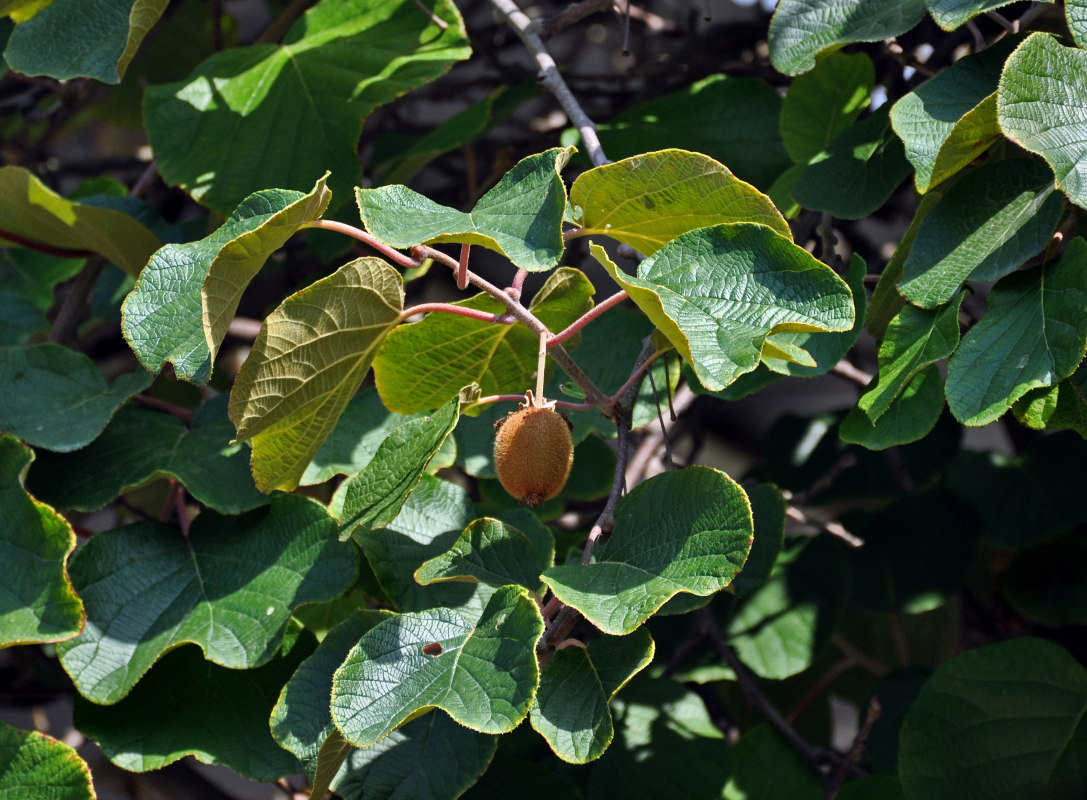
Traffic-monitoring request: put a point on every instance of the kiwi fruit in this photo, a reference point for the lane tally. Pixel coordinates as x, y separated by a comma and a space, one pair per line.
533, 452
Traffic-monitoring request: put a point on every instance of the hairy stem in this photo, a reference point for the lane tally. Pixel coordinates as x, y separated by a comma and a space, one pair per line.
448, 308
588, 317
357, 233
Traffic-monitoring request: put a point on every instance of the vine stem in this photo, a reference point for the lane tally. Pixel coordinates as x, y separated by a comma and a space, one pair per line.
152, 402
357, 233
448, 308
588, 317
551, 79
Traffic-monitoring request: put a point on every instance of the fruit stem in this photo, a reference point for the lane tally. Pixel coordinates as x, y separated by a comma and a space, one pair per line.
540, 362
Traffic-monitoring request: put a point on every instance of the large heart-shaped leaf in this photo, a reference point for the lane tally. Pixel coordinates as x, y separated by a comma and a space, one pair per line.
33, 765
717, 293
82, 38
140, 445
184, 300
230, 586
646, 201
521, 217
307, 363
56, 398
188, 707
37, 603
1033, 334
686, 531
492, 552
824, 102
422, 365
431, 757
281, 115
576, 687
35, 213
1004, 721
1042, 105
801, 29
484, 676
947, 122
985, 226
373, 498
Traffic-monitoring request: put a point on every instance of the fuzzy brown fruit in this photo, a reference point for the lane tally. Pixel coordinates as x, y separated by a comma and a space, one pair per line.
533, 453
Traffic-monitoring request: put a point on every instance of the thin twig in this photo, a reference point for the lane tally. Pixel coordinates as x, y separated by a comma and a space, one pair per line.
143, 183
520, 398
448, 308
41, 247
244, 328
833, 528
74, 305
588, 317
606, 521
755, 698
652, 443
873, 665
821, 685
551, 80
441, 23
153, 402
854, 755
847, 370
357, 233
462, 265
281, 24
1002, 21
573, 13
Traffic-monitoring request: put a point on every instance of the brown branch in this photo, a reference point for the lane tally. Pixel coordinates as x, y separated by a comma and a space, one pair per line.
572, 14
855, 752
73, 307
551, 79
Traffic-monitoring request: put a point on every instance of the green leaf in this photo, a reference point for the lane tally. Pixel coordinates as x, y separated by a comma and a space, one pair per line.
858, 172
825, 349
140, 445
492, 552
824, 102
37, 603
359, 432
1003, 721
910, 416
751, 778
230, 587
732, 120
665, 746
184, 300
576, 687
34, 212
947, 122
283, 114
916, 553
308, 361
429, 523
35, 766
915, 338
521, 217
768, 513
424, 364
950, 14
800, 30
1042, 106
686, 531
886, 300
429, 758
82, 38
301, 720
1033, 334
647, 201
483, 676
717, 293
1055, 407
1046, 584
1075, 12
782, 626
373, 498
455, 132
56, 398
186, 706
1029, 499
985, 226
